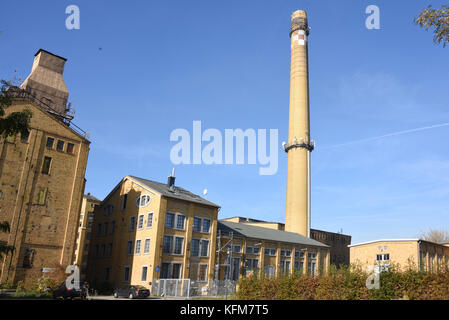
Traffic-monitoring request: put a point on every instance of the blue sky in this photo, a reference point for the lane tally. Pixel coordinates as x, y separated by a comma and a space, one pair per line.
137, 70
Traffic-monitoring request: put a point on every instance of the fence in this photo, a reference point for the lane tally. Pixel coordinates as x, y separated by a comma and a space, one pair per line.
186, 288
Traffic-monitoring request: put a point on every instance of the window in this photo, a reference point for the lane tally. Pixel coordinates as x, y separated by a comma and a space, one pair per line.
252, 264
143, 201
286, 253
171, 270
70, 148
169, 220
312, 255
299, 254
312, 268
105, 230
138, 243
50, 142
99, 229
270, 251
180, 222
24, 137
204, 248
140, 223
132, 223
167, 245
103, 250
112, 227
201, 225
299, 266
202, 272
124, 200
285, 266
144, 273
206, 225
383, 257
195, 247
108, 210
109, 251
150, 220
42, 195
196, 224
269, 271
60, 145
129, 247
249, 250
236, 248
97, 250
126, 273
146, 249
46, 165
178, 245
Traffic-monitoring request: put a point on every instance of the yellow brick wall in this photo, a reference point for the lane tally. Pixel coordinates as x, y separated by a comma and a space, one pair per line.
48, 229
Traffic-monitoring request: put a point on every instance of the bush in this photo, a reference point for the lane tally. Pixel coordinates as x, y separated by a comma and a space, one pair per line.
349, 283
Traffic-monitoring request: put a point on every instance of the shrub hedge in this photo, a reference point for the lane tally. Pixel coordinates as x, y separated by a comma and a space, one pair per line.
348, 283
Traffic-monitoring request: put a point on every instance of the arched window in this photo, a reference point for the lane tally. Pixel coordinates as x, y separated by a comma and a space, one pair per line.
143, 201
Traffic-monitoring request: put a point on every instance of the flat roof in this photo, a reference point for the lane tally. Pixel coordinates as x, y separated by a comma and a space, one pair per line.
382, 240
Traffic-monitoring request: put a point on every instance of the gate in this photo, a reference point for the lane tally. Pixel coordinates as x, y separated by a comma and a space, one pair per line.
172, 288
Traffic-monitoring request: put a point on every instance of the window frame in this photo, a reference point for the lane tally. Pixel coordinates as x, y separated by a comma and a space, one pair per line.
139, 200
58, 144
46, 166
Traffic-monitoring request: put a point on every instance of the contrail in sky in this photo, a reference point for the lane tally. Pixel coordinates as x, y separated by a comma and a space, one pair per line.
387, 135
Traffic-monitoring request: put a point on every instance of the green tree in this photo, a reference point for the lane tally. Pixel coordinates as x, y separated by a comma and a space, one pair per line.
438, 19
4, 248
16, 121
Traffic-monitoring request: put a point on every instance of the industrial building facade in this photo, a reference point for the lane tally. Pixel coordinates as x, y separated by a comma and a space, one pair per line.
337, 242
84, 233
42, 176
404, 253
145, 230
244, 250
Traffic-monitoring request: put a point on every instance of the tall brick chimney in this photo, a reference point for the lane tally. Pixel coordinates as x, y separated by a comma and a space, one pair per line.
46, 82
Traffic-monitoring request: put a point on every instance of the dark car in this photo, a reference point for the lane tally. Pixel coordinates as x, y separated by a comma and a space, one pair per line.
69, 293
132, 292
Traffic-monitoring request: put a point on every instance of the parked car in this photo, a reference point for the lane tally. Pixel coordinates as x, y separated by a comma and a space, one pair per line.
132, 292
69, 293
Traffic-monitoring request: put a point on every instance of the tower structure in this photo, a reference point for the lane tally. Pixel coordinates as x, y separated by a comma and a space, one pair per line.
299, 146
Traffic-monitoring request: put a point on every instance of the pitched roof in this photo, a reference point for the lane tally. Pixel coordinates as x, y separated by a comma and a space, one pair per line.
177, 193
248, 231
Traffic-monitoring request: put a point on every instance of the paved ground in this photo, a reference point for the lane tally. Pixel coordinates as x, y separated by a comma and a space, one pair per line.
147, 299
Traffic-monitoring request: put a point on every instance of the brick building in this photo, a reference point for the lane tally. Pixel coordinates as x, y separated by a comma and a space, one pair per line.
146, 230
41, 175
84, 233
337, 242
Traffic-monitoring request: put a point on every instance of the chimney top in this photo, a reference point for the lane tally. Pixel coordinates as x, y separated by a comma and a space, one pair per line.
48, 52
171, 180
46, 82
